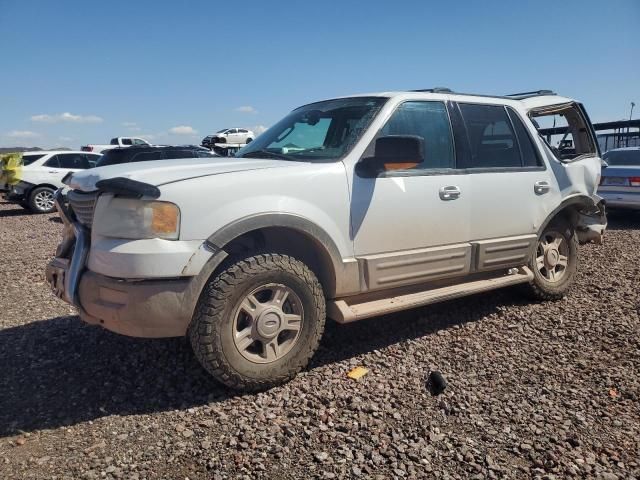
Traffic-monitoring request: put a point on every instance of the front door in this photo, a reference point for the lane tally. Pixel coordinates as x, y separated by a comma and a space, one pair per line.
412, 226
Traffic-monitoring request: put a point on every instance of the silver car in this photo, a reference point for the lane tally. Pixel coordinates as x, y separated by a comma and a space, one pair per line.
620, 182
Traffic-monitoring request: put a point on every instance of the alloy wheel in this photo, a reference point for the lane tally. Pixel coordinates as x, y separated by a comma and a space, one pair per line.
267, 323
44, 200
552, 256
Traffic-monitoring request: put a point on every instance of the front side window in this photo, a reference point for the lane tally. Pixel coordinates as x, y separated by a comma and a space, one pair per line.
137, 141
316, 132
73, 161
92, 160
429, 121
492, 141
126, 141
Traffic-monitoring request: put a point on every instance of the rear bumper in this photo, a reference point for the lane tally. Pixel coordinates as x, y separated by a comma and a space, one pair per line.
621, 199
592, 222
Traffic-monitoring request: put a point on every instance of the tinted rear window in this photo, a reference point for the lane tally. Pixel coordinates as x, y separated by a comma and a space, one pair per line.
491, 137
622, 158
29, 159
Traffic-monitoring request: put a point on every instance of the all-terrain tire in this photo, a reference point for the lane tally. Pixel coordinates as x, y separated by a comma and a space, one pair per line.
541, 287
213, 325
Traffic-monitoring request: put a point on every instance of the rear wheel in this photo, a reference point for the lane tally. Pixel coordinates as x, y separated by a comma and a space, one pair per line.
554, 263
258, 323
41, 200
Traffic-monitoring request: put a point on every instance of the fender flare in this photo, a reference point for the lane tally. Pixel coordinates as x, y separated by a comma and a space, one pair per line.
296, 222
579, 200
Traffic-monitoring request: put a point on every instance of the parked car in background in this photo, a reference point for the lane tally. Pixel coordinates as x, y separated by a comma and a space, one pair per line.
620, 181
347, 208
40, 175
229, 135
115, 143
148, 153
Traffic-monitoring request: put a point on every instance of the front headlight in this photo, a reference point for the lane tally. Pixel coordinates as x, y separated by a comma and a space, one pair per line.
136, 219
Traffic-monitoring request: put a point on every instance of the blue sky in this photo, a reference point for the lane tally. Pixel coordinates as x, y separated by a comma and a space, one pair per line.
74, 72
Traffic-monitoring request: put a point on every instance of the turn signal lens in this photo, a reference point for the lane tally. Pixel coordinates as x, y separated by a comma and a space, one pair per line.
164, 217
634, 181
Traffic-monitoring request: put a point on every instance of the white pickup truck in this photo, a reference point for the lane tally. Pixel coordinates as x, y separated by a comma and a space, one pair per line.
114, 143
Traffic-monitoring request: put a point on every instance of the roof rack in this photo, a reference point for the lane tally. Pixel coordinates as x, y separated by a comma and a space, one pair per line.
434, 90
513, 96
536, 93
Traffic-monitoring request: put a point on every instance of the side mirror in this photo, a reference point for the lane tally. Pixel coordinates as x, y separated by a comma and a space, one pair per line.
394, 152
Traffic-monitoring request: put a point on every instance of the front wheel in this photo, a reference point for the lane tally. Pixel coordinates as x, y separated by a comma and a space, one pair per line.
41, 200
554, 263
258, 323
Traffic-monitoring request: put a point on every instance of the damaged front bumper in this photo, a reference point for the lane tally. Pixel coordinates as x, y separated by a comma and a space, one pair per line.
147, 308
591, 222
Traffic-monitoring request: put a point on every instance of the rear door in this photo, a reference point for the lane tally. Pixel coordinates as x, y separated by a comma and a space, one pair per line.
232, 135
512, 191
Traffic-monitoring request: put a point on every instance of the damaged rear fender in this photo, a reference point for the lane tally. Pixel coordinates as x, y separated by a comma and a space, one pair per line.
586, 214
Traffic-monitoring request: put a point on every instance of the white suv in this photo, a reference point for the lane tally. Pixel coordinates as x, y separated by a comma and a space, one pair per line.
41, 174
347, 208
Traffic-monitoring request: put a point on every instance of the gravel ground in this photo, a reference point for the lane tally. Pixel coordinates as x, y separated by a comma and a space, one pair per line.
548, 390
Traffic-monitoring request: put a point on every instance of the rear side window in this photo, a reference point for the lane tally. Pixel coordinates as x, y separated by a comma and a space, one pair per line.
492, 140
29, 159
127, 141
566, 130
53, 162
530, 157
430, 121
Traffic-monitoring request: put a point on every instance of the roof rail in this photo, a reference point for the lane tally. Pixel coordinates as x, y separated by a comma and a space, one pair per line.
434, 90
536, 93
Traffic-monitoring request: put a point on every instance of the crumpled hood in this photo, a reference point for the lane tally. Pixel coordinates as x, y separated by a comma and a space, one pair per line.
160, 172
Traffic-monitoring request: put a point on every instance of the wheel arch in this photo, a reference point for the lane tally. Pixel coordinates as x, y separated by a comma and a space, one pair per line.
569, 210
285, 233
48, 185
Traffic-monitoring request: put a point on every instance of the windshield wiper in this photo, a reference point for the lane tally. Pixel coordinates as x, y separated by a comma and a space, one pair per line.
268, 154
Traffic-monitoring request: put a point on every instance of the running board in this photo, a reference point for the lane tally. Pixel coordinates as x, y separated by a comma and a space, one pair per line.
343, 312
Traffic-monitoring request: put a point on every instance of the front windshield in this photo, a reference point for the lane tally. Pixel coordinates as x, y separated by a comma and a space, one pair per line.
319, 131
622, 158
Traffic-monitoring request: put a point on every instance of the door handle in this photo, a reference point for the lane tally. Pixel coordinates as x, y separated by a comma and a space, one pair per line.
450, 192
540, 188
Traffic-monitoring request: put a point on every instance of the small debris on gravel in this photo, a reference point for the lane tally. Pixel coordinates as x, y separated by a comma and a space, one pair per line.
436, 383
542, 389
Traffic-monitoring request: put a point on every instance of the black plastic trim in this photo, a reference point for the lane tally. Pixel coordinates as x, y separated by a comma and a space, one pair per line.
126, 187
